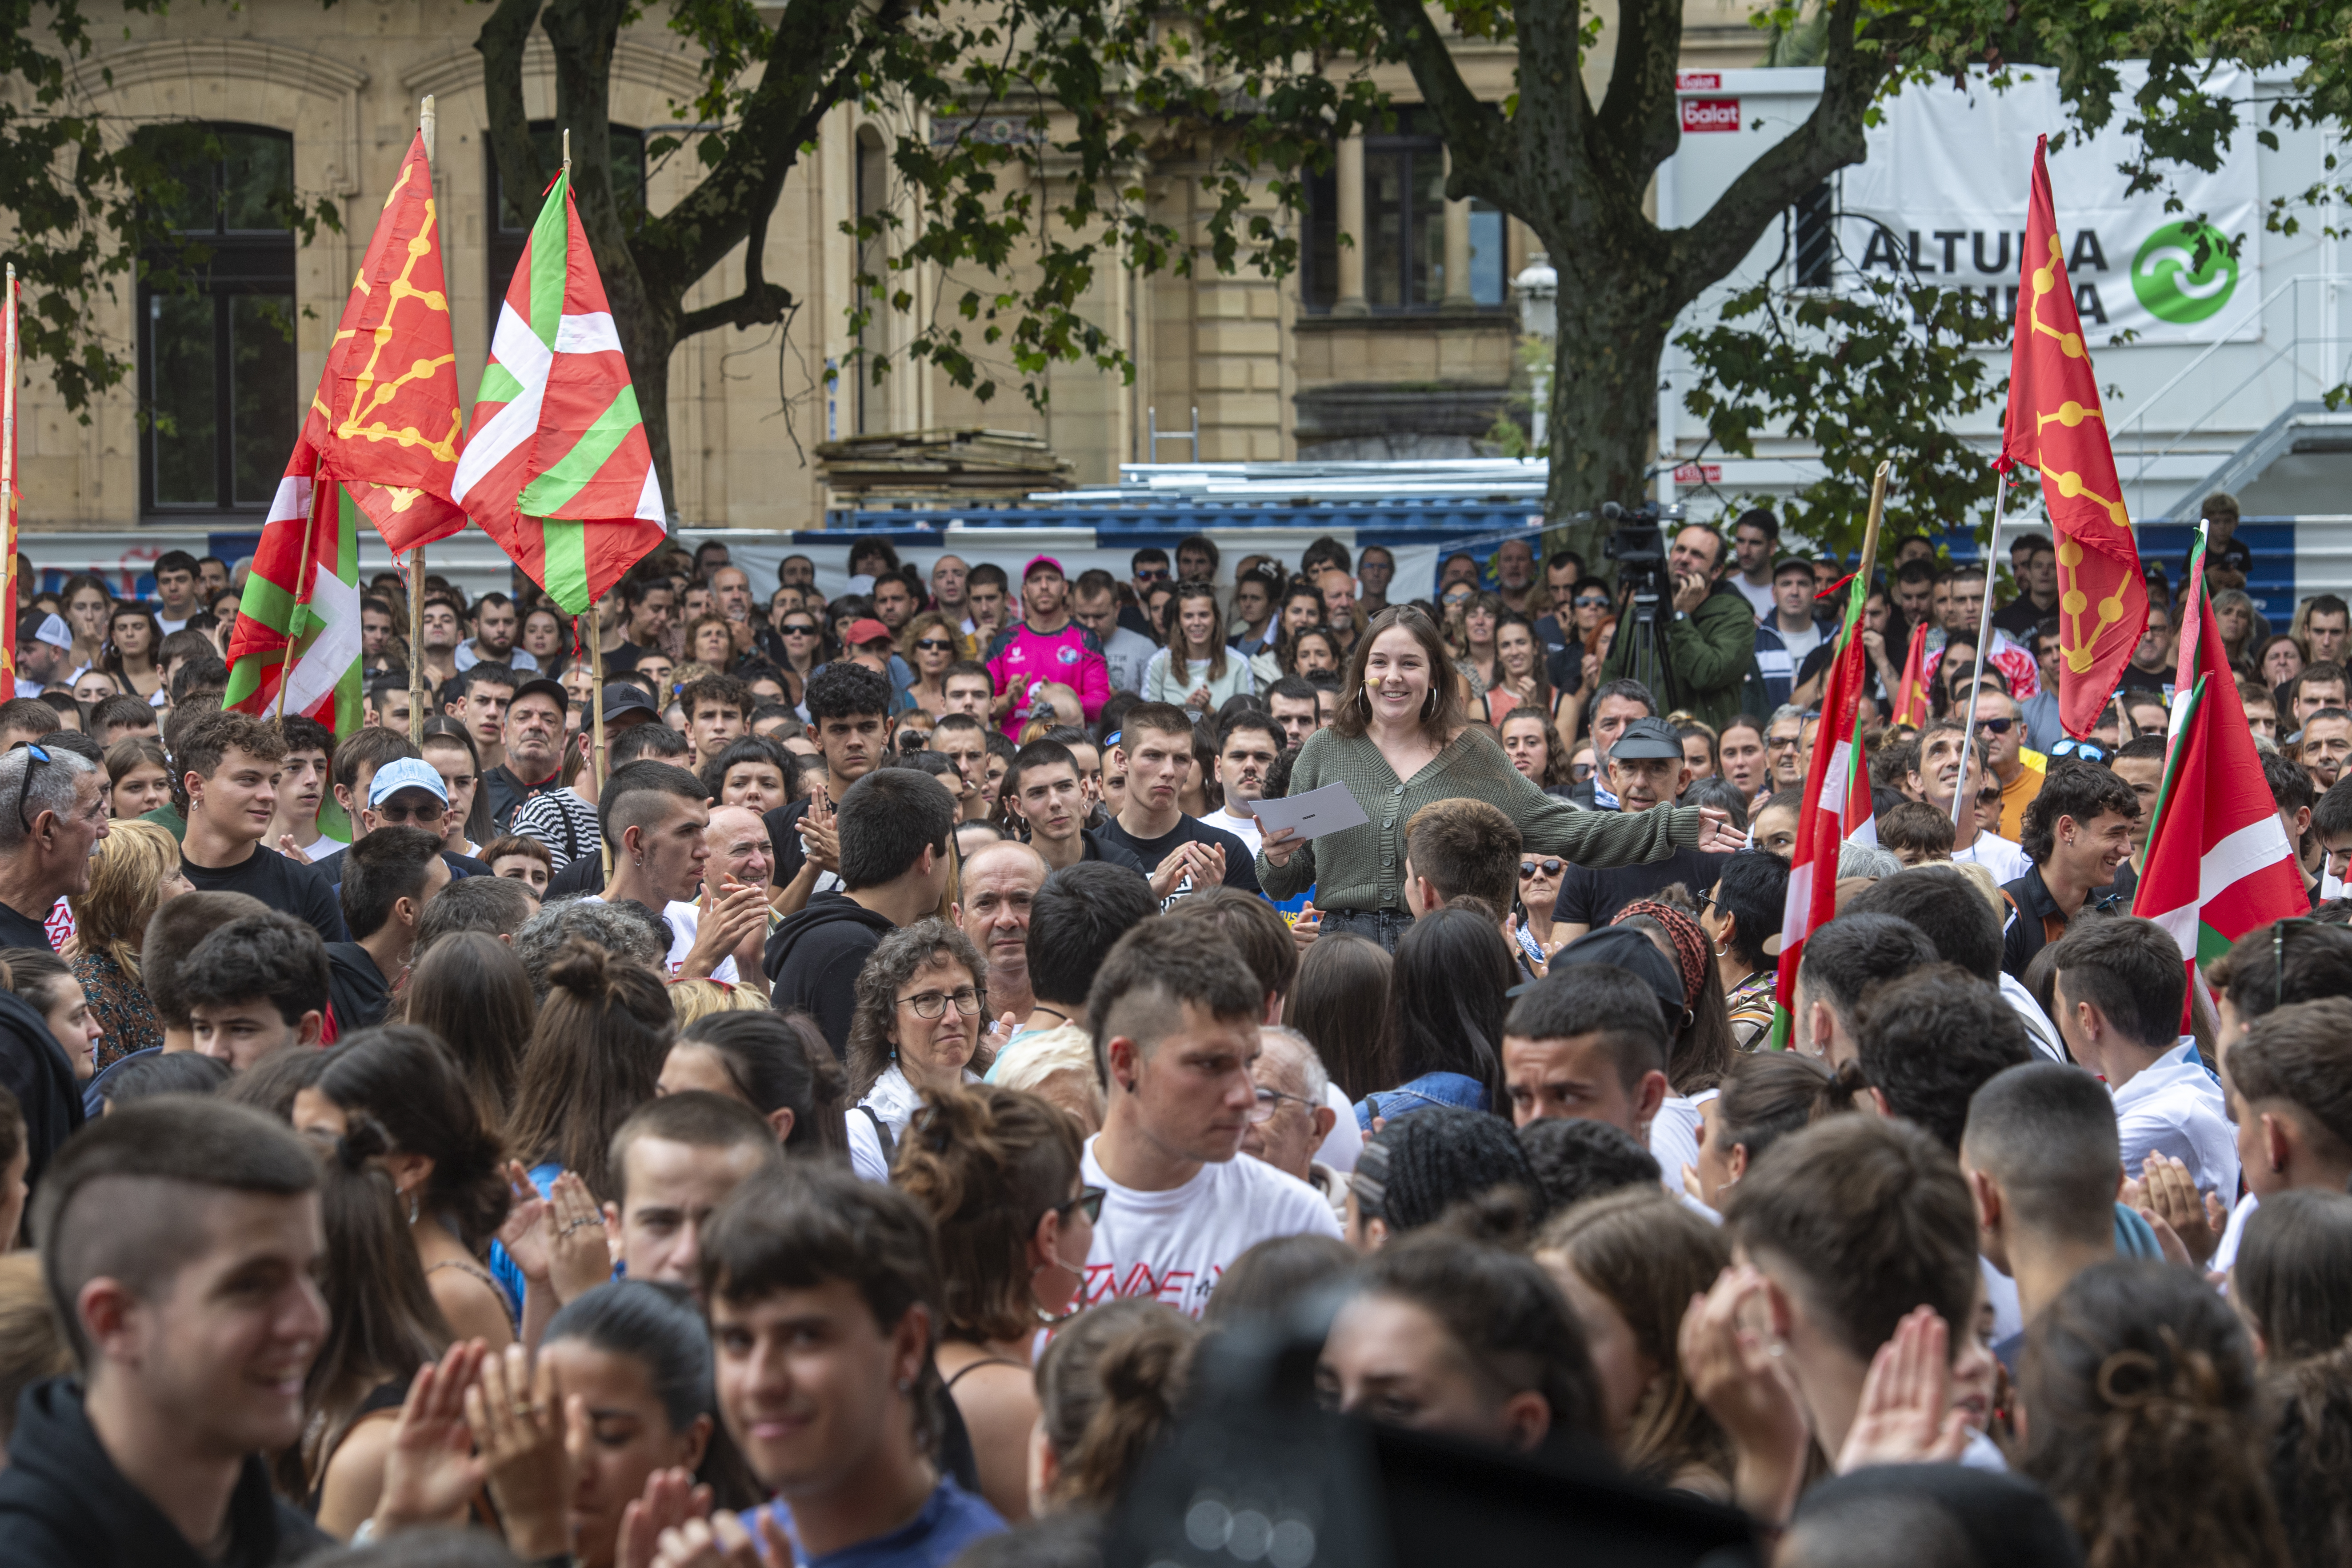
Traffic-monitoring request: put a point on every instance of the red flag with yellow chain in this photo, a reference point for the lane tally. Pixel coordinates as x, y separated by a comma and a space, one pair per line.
2056, 426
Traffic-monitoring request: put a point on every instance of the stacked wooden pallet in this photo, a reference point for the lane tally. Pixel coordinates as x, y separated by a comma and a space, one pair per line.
967, 462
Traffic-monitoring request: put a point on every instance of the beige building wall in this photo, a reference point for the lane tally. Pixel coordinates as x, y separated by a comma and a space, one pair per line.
748, 407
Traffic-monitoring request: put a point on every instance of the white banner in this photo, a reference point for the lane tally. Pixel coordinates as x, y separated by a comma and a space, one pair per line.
1944, 193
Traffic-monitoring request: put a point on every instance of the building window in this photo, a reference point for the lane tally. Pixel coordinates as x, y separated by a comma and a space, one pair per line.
1404, 220
1319, 248
217, 364
512, 230
1487, 271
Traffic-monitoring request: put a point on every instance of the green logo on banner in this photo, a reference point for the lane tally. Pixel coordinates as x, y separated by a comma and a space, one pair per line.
2185, 272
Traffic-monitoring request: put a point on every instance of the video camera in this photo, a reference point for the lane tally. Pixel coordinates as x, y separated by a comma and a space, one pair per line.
1637, 543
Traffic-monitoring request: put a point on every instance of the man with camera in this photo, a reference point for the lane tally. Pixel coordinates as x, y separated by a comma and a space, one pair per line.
1706, 627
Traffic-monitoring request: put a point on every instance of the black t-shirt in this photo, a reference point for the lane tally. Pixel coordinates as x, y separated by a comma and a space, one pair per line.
625, 656
356, 989
508, 792
22, 930
784, 826
2159, 681
1241, 869
289, 886
1591, 897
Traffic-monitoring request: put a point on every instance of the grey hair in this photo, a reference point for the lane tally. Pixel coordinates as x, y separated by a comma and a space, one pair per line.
51, 789
2229, 598
1866, 860
1313, 1077
897, 959
539, 940
1786, 710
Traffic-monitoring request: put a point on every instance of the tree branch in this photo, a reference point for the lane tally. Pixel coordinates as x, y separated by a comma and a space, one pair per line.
500, 44
760, 304
1637, 128
1830, 138
1481, 142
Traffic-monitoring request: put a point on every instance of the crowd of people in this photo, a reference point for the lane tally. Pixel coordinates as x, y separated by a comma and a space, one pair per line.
844, 1121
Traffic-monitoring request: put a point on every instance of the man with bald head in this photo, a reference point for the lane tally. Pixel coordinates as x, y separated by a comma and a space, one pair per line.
998, 883
741, 854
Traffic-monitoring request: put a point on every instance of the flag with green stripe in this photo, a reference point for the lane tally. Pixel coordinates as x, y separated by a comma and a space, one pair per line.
556, 467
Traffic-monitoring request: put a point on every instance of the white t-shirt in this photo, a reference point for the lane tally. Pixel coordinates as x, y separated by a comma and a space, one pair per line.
1798, 644
1674, 1137
2004, 859
2174, 1107
169, 625
1174, 1246
1244, 828
1759, 595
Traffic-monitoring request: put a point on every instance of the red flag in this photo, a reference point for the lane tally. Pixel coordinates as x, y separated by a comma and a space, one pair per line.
8, 488
1911, 704
2056, 426
2219, 864
1837, 807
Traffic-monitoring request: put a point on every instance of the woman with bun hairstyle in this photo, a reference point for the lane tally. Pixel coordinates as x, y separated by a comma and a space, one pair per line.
594, 1056
383, 1324
638, 1356
443, 1157
776, 1063
473, 994
997, 1171
1107, 1387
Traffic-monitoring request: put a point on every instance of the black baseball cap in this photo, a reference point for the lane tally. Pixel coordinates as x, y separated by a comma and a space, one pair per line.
546, 686
1647, 738
1792, 563
622, 697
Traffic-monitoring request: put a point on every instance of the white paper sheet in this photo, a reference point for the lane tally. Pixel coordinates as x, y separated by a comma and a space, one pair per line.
1313, 814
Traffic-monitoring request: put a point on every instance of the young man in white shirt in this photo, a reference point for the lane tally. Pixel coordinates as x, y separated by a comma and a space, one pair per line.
1934, 777
2118, 993
176, 590
659, 820
1248, 745
1175, 1019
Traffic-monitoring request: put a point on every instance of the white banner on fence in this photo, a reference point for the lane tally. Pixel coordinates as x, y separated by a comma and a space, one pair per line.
1944, 192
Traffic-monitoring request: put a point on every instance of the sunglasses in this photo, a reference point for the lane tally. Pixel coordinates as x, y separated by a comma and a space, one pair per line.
1151, 574
1089, 1203
432, 811
934, 644
1580, 772
799, 631
2085, 751
1547, 866
34, 757
1591, 601
1995, 726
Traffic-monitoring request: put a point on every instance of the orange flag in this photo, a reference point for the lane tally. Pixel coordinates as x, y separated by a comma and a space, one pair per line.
2056, 426
384, 419
1911, 704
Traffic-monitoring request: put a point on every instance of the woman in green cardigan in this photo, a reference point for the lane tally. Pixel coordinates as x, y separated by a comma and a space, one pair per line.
1405, 741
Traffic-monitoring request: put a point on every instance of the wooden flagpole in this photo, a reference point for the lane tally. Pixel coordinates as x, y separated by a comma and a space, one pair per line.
596, 755
424, 126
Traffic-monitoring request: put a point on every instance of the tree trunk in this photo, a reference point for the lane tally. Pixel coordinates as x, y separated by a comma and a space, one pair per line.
1614, 312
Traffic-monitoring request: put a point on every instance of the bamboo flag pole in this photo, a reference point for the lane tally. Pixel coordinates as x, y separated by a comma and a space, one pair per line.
424, 125
597, 760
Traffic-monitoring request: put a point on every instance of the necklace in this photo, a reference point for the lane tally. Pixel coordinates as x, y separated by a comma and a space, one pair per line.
1056, 1010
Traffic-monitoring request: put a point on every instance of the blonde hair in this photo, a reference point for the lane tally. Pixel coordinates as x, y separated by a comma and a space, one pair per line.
1980, 878
127, 872
31, 1348
692, 999
1039, 1063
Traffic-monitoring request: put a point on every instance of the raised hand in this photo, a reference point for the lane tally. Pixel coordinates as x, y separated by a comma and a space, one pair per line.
1716, 835
2167, 1188
525, 1231
819, 839
1735, 1373
430, 1469
519, 1424
671, 1499
1906, 1415
578, 1246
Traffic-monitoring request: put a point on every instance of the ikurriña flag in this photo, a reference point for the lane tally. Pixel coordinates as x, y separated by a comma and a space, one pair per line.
556, 467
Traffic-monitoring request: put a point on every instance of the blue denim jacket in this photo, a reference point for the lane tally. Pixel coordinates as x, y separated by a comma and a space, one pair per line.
1429, 1089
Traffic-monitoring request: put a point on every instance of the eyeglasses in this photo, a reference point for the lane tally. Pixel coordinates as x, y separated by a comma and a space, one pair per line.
1580, 772
1547, 866
1780, 743
34, 757
934, 1004
1703, 902
431, 811
800, 629
1089, 1203
1996, 726
935, 645
1151, 574
1269, 1101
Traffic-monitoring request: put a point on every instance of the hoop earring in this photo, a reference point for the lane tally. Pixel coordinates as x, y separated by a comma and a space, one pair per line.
1429, 704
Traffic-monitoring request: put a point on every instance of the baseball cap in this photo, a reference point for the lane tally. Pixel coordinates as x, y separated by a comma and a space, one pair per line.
52, 631
621, 697
1042, 563
1652, 738
546, 687
1625, 948
407, 773
1792, 563
864, 630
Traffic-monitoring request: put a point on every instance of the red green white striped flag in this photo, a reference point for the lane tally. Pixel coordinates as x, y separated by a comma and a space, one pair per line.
1837, 808
2219, 863
556, 467
322, 592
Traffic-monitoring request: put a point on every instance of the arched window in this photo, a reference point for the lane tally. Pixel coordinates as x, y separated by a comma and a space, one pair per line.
217, 366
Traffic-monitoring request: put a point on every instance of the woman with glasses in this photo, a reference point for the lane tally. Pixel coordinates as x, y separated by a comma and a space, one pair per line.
997, 1171
132, 637
801, 635
920, 1013
931, 643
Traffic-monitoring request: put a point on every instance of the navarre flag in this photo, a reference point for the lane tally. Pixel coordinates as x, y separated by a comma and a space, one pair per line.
2056, 426
1837, 808
2219, 864
9, 490
1911, 704
556, 467
384, 421
304, 592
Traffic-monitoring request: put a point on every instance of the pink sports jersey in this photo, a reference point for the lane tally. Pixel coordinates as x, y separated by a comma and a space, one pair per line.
1024, 657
